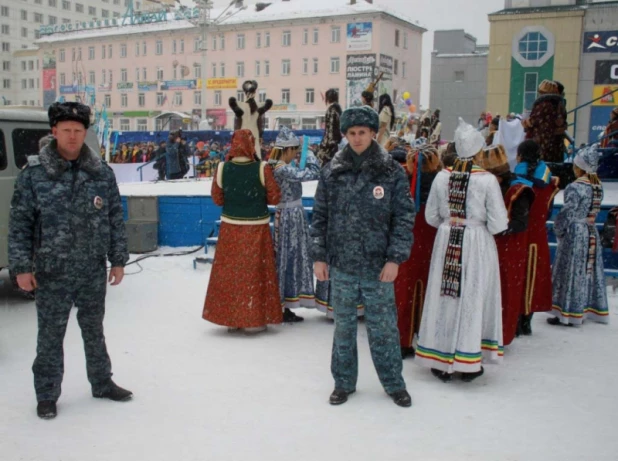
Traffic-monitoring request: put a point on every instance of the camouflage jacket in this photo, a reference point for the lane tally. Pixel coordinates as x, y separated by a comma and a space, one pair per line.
62, 210
364, 218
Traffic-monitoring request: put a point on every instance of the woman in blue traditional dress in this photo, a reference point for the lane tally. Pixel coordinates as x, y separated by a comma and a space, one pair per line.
579, 291
294, 265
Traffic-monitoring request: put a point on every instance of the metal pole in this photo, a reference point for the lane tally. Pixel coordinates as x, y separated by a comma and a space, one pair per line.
205, 16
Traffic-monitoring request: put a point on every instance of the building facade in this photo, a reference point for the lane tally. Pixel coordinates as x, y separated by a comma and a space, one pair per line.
20, 22
458, 78
141, 72
566, 40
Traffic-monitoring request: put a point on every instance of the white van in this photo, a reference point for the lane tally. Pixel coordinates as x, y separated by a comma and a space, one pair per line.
21, 128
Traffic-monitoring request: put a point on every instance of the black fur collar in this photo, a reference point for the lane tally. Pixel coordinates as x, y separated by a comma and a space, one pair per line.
336, 107
55, 165
378, 160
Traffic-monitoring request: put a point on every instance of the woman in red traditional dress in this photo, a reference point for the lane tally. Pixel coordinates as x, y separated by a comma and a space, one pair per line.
512, 243
411, 282
538, 292
243, 292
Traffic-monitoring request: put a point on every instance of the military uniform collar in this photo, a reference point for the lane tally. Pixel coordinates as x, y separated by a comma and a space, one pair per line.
55, 165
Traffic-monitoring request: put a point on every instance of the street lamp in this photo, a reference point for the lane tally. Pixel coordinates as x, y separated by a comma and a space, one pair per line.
205, 21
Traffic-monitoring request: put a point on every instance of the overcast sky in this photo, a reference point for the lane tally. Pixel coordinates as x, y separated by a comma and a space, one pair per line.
470, 15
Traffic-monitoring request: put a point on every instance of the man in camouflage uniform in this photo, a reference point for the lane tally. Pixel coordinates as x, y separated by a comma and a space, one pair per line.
362, 230
66, 220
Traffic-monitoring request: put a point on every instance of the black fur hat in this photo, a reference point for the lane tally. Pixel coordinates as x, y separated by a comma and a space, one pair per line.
69, 111
250, 86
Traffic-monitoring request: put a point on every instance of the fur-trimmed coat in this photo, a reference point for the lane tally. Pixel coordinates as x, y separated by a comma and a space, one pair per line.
332, 134
362, 218
546, 125
63, 211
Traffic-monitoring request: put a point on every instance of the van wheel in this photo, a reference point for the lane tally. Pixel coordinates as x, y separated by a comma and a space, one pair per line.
24, 293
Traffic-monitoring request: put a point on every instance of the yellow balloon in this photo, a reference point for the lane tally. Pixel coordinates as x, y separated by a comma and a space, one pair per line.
406, 95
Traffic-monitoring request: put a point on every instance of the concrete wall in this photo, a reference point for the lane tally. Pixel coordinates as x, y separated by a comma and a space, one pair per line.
453, 41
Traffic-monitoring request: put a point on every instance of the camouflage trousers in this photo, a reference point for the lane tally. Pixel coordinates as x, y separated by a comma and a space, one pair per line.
381, 322
82, 285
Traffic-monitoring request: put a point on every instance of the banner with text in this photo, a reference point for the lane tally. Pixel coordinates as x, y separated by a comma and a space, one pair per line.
360, 70
178, 85
359, 36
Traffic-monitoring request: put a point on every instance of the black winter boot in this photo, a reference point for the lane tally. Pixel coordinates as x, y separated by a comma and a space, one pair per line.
526, 324
291, 317
402, 398
442, 375
113, 392
469, 377
46, 409
407, 352
339, 396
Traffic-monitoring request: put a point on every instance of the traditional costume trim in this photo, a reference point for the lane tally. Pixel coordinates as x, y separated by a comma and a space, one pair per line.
417, 295
245, 222
595, 208
533, 252
577, 318
556, 182
492, 346
457, 191
520, 188
449, 358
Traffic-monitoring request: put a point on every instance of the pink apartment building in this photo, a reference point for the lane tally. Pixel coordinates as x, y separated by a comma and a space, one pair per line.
145, 74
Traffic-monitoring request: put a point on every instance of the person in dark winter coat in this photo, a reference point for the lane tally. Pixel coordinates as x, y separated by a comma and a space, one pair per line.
176, 156
332, 131
65, 222
361, 232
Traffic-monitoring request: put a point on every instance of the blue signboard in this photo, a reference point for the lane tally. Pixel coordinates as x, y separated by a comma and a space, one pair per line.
599, 116
600, 42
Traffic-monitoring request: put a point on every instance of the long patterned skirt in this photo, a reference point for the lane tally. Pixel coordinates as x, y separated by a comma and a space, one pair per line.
243, 291
294, 265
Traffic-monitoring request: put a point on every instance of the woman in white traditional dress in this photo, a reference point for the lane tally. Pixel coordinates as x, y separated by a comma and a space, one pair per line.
387, 119
462, 317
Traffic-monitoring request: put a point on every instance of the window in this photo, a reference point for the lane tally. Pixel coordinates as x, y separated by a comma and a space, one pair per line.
24, 84
125, 124
6, 65
197, 71
159, 47
37, 33
91, 78
104, 13
257, 68
66, 5
459, 74
308, 124
31, 83
315, 66
197, 44
108, 100
6, 46
262, 96
222, 41
24, 15
240, 41
316, 36
159, 73
25, 141
214, 42
217, 98
53, 3
79, 8
285, 96
334, 65
213, 73
222, 69
258, 40
6, 83
144, 74
109, 52
175, 73
103, 77
144, 49
531, 82
533, 46
266, 68
137, 74
63, 78
142, 124
4, 11
30, 65
110, 73
3, 159
309, 96
91, 53
160, 99
305, 66
182, 45
123, 75
38, 17
137, 48
197, 98
397, 37
335, 35
123, 50
103, 49
24, 32
92, 11
141, 99
286, 39
123, 100
173, 46
405, 40
266, 39
178, 98
240, 96
305, 36
285, 67
396, 66
240, 69
5, 29
23, 66
79, 54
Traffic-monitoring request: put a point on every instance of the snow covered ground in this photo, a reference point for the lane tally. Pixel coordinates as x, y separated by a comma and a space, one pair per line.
204, 394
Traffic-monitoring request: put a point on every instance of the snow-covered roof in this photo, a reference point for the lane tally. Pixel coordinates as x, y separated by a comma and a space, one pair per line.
461, 55
277, 11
